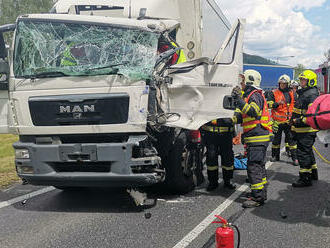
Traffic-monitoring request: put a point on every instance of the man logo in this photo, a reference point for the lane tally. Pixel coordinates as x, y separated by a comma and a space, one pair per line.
77, 109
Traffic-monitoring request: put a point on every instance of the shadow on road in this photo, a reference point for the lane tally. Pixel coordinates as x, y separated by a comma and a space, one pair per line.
298, 205
96, 200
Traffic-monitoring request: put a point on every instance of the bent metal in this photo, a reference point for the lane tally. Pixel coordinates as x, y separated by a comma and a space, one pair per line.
77, 108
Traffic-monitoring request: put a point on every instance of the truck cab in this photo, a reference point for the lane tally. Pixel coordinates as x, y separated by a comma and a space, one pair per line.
94, 100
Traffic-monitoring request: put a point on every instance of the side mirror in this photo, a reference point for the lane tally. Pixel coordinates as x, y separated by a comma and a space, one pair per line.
4, 72
228, 103
324, 71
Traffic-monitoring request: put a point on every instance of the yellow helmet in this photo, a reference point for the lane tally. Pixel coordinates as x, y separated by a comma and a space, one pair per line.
252, 77
284, 79
310, 76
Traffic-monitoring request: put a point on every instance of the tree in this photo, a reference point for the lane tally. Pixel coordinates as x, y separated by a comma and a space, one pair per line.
11, 9
327, 55
298, 69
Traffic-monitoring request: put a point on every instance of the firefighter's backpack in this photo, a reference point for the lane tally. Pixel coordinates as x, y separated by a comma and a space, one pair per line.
318, 114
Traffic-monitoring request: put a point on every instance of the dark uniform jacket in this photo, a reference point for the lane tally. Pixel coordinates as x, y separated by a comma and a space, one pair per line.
306, 96
256, 102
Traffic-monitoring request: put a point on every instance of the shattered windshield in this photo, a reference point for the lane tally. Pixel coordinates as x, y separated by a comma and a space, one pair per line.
52, 49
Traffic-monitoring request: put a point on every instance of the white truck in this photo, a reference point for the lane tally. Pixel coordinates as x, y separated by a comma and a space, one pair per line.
96, 103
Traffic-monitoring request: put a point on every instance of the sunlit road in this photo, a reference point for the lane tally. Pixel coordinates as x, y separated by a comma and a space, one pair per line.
108, 218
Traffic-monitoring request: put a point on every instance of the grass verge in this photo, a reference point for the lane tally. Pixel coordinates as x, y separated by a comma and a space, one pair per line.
7, 166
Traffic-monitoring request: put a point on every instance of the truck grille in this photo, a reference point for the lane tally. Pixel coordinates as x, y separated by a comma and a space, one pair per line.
87, 109
81, 167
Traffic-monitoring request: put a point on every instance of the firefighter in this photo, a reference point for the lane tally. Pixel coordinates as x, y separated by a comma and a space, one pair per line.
281, 102
304, 134
252, 113
218, 137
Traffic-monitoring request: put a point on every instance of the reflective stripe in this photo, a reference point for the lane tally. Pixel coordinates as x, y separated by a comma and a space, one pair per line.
246, 108
255, 106
276, 146
248, 119
303, 129
218, 129
257, 186
314, 166
305, 170
227, 167
212, 168
254, 139
264, 181
264, 122
237, 110
234, 118
287, 145
293, 147
297, 111
270, 103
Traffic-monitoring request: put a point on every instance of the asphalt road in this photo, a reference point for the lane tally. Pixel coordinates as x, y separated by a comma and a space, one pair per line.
108, 218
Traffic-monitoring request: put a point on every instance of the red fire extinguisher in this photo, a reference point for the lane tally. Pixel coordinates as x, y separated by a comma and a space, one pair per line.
224, 235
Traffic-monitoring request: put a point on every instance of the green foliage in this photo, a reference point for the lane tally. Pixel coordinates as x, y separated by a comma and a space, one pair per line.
7, 167
254, 59
298, 69
11, 9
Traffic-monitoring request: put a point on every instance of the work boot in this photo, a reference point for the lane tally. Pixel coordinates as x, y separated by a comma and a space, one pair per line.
274, 159
212, 186
248, 195
305, 180
315, 175
228, 184
252, 203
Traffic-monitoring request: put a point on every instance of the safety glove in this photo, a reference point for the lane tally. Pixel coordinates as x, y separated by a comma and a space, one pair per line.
236, 93
275, 126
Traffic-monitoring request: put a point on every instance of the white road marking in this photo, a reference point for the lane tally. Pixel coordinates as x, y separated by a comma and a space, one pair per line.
208, 220
25, 197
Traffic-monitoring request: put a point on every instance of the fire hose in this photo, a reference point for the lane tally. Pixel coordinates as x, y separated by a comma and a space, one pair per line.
319, 154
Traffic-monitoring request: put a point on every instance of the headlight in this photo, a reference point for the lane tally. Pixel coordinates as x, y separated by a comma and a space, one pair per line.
22, 154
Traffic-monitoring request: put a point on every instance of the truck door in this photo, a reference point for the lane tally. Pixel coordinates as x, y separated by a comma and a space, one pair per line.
198, 89
4, 79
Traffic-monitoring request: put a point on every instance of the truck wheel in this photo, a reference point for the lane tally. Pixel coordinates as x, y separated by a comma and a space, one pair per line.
179, 174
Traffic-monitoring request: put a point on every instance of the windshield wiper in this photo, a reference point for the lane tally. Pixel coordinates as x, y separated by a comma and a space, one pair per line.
106, 66
46, 74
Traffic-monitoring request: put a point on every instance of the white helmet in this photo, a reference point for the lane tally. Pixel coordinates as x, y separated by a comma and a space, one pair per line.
252, 77
284, 79
294, 83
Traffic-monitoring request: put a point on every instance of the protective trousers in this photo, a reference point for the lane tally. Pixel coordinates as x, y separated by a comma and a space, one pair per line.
256, 155
276, 146
305, 154
219, 144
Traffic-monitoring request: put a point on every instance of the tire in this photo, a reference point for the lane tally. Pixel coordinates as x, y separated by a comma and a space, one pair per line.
178, 179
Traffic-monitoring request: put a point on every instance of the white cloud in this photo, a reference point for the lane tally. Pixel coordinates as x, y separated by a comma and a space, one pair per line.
278, 28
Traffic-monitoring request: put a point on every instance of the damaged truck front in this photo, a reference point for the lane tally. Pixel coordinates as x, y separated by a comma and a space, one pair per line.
95, 102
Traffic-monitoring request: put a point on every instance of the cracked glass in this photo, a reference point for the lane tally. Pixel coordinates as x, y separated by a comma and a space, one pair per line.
53, 48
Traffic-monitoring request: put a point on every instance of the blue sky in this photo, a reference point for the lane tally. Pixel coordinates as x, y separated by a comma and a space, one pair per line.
320, 16
282, 28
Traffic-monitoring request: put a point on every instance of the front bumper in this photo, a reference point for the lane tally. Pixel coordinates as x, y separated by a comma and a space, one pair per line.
88, 165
